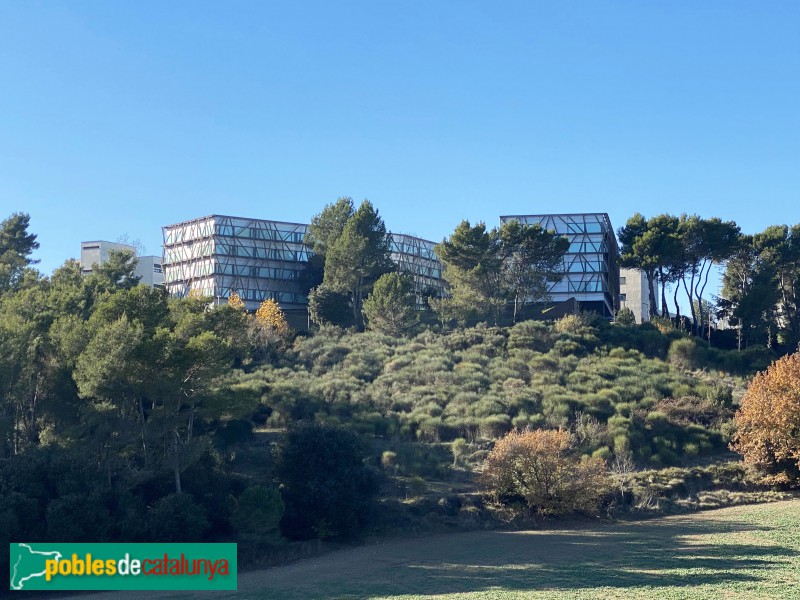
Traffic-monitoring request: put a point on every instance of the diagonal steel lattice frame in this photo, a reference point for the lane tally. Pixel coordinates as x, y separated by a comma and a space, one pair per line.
417, 257
220, 254
261, 259
591, 272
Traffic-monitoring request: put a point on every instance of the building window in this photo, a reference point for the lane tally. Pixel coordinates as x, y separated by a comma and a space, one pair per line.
622, 281
623, 297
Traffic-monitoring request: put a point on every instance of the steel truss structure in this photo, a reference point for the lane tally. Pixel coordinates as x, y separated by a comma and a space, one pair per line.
591, 263
217, 255
416, 256
260, 259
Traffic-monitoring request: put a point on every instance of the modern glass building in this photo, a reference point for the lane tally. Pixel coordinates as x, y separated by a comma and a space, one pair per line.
218, 254
416, 256
591, 263
260, 259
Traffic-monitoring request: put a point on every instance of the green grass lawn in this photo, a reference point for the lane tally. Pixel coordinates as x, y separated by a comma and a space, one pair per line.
740, 552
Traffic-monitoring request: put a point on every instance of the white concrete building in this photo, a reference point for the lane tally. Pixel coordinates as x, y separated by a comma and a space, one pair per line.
96, 253
634, 293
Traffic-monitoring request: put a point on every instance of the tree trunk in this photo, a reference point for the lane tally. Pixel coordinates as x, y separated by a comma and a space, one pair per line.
702, 291
357, 299
176, 465
650, 276
677, 306
143, 431
690, 294
664, 310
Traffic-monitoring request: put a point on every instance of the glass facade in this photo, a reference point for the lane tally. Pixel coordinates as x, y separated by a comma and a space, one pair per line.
416, 256
261, 259
217, 255
590, 264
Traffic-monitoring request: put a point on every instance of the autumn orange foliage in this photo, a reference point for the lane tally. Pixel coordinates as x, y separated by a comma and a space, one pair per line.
270, 315
540, 471
236, 301
768, 422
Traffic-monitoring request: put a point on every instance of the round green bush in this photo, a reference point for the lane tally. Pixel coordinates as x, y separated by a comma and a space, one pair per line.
328, 490
177, 518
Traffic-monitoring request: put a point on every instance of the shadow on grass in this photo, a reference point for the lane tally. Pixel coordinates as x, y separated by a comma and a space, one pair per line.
666, 554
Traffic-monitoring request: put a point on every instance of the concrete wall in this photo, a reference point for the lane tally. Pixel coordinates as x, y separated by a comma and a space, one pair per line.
96, 253
635, 294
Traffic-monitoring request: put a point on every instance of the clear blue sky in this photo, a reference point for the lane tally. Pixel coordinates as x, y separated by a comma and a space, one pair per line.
121, 117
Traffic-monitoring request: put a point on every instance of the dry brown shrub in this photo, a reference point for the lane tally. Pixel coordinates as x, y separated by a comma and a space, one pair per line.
768, 422
538, 472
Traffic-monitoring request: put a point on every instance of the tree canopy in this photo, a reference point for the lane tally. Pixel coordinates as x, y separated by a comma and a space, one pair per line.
532, 260
357, 257
16, 246
390, 307
768, 422
487, 269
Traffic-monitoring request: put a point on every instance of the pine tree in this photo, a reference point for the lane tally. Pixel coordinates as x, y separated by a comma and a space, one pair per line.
390, 307
358, 257
16, 246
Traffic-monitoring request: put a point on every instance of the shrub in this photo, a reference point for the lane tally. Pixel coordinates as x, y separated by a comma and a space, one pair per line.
690, 410
79, 518
534, 335
177, 518
571, 324
538, 472
327, 488
259, 511
663, 324
685, 353
625, 316
389, 460
234, 432
416, 487
459, 448
720, 394
768, 422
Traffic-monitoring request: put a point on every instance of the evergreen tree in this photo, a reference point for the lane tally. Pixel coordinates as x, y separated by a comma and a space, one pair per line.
118, 272
639, 251
472, 269
16, 246
532, 258
779, 247
390, 307
625, 316
358, 257
328, 307
324, 230
327, 226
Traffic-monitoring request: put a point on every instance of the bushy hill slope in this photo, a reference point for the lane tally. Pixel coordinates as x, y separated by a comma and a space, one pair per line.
612, 385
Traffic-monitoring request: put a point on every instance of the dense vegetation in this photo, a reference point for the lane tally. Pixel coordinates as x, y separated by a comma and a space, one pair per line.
768, 422
481, 382
128, 415
761, 282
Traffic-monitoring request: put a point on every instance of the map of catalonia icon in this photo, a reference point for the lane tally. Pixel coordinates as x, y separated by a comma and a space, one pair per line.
28, 564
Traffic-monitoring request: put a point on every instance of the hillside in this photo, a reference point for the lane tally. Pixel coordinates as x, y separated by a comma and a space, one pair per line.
612, 385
